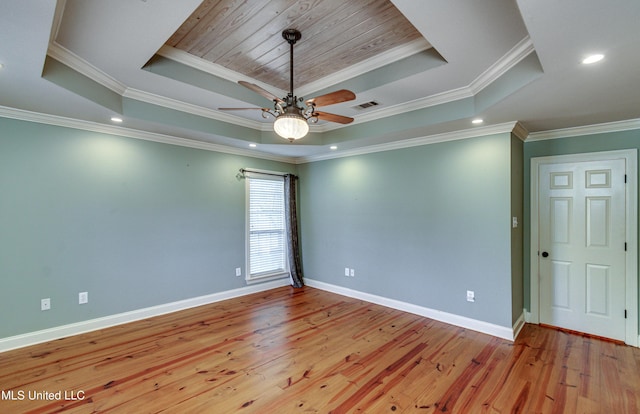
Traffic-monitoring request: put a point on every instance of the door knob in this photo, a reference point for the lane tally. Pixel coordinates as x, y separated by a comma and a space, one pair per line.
545, 254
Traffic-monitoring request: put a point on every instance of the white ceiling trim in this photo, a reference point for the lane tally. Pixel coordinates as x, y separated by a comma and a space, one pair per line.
19, 114
514, 56
618, 126
373, 63
198, 63
506, 127
521, 50
57, 18
514, 127
510, 59
197, 110
363, 67
192, 109
520, 131
433, 100
75, 62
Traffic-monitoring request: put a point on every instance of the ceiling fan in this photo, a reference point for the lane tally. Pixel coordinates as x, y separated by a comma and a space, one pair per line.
292, 118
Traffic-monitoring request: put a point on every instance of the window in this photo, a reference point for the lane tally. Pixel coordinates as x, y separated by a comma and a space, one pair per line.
266, 242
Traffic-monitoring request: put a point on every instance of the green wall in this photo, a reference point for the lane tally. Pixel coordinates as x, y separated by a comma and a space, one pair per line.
420, 225
138, 223
135, 223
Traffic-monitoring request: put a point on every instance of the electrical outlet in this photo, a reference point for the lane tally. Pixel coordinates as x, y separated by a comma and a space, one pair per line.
83, 297
238, 271
471, 296
45, 304
352, 272
346, 271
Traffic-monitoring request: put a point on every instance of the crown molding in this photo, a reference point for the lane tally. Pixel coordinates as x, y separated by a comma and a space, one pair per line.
617, 126
55, 120
521, 50
509, 127
197, 110
510, 59
514, 56
75, 62
83, 67
192, 109
422, 103
60, 121
373, 63
506, 127
57, 18
203, 65
365, 66
520, 131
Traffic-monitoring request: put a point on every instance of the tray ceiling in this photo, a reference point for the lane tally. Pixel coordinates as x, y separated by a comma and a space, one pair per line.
246, 36
166, 67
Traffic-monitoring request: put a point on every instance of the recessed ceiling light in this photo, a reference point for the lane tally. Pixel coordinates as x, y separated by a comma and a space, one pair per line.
1, 66
116, 119
592, 59
477, 121
252, 145
333, 147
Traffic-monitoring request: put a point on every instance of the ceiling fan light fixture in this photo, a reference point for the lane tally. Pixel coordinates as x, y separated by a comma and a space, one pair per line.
292, 121
291, 125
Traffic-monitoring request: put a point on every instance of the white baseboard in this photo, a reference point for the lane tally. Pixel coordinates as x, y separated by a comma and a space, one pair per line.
519, 324
528, 317
450, 318
32, 338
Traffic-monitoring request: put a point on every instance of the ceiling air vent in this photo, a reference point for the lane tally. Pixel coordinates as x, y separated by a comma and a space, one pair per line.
366, 105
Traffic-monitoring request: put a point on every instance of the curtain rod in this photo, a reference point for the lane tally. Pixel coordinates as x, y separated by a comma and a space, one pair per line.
244, 170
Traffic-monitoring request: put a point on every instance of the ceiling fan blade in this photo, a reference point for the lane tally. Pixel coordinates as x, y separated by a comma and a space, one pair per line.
326, 116
343, 95
260, 91
241, 109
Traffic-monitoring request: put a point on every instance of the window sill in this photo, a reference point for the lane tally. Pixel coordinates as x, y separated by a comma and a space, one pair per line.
266, 278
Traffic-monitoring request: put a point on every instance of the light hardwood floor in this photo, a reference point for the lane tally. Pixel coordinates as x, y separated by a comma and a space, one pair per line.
309, 351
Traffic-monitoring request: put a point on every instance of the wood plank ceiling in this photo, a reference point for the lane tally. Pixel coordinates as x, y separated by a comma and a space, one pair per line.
245, 36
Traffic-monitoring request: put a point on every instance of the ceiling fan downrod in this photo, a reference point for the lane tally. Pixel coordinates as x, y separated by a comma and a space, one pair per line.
291, 36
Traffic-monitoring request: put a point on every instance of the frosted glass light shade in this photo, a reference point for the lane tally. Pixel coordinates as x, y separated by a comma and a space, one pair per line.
291, 126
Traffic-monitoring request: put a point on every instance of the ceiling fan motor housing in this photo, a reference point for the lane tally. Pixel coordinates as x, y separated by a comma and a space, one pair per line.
291, 35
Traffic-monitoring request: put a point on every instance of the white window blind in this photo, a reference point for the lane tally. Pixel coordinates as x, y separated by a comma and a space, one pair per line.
266, 239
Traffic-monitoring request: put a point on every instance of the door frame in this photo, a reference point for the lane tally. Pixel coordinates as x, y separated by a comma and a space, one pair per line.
631, 265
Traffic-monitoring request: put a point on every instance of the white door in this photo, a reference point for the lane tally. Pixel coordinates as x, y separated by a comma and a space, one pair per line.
582, 246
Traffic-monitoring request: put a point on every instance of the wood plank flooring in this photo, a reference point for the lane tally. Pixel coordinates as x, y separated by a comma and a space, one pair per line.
309, 351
